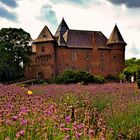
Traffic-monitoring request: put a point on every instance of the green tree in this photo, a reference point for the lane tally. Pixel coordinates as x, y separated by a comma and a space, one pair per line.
14, 50
138, 77
130, 68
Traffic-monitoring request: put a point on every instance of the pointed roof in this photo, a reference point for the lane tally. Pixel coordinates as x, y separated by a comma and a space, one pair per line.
62, 28
44, 36
115, 37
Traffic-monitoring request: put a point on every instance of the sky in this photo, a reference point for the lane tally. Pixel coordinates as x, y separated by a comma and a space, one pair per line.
94, 15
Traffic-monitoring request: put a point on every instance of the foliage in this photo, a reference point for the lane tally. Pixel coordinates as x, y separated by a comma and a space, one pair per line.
122, 77
14, 51
70, 76
130, 69
138, 77
111, 78
70, 112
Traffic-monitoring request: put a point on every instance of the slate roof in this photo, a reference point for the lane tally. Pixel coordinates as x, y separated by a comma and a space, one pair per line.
84, 39
115, 37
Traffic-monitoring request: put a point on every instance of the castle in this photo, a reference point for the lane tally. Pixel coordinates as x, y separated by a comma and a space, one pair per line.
89, 51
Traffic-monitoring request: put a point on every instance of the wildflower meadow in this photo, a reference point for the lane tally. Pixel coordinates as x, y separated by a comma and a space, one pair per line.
109, 111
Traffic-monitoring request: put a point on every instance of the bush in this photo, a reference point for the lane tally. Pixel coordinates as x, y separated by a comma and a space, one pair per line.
138, 77
99, 79
70, 76
112, 78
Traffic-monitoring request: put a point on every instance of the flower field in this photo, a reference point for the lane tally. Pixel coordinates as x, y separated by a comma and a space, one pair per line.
70, 112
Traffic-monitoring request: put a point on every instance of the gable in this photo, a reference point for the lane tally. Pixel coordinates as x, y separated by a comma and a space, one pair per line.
44, 36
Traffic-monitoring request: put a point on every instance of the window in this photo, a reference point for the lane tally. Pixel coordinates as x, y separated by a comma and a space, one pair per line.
87, 57
102, 68
47, 57
89, 69
102, 57
74, 57
43, 49
115, 57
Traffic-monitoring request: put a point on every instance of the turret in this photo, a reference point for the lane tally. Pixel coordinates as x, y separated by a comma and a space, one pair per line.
116, 38
117, 53
62, 28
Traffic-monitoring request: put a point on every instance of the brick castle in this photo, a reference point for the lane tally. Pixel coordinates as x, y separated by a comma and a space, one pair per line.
89, 51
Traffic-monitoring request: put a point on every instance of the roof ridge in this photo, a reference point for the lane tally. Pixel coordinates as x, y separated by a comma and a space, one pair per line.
83, 30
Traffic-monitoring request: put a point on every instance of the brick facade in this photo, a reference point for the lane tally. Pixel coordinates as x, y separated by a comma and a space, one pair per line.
84, 50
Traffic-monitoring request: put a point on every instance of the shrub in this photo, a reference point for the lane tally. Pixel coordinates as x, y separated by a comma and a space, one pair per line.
70, 76
111, 78
99, 79
138, 77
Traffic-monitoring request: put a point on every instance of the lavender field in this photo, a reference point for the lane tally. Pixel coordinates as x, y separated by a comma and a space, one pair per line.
70, 112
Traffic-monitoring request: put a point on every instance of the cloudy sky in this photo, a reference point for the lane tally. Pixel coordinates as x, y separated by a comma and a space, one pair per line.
96, 15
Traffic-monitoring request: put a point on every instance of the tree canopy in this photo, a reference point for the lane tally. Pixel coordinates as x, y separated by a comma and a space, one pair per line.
14, 51
130, 68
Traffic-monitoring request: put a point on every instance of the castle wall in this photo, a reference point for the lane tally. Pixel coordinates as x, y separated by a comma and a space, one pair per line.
43, 62
75, 59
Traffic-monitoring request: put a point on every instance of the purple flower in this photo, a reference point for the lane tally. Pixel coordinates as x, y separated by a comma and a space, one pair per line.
23, 122
66, 129
91, 132
80, 126
68, 119
24, 110
78, 135
22, 132
7, 138
50, 113
14, 118
67, 137
51, 108
17, 135
74, 128
61, 125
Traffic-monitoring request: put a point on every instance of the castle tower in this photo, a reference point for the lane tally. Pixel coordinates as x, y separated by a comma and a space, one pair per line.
43, 59
117, 54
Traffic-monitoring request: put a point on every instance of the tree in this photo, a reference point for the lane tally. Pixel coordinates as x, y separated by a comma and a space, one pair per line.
14, 51
138, 77
130, 69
